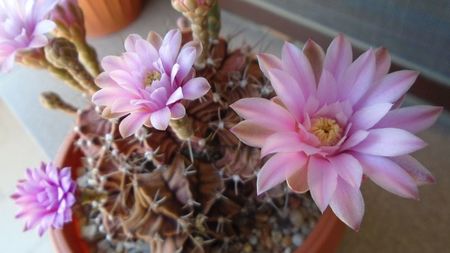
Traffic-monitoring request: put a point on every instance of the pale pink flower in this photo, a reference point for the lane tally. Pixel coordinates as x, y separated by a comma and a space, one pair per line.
334, 121
149, 81
23, 26
46, 197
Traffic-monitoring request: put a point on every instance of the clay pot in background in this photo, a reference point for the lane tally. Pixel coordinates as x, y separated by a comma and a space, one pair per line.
324, 238
103, 17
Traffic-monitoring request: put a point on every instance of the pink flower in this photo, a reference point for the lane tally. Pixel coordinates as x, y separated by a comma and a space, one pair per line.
149, 81
23, 26
45, 197
333, 121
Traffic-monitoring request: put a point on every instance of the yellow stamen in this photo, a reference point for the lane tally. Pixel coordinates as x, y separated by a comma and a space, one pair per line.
152, 76
327, 130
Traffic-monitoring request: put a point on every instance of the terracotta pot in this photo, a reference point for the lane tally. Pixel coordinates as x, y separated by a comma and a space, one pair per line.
103, 17
324, 238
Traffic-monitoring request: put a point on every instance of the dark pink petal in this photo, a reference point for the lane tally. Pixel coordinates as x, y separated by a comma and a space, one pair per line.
415, 169
277, 169
252, 132
298, 182
176, 96
169, 49
412, 119
283, 142
298, 66
288, 91
338, 57
389, 142
389, 175
391, 88
273, 115
186, 60
358, 78
367, 117
322, 179
354, 139
177, 111
195, 88
160, 119
268, 62
383, 62
348, 168
316, 56
348, 204
327, 91
133, 122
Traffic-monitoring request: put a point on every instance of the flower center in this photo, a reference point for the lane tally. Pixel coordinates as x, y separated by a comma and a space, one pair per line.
327, 130
152, 76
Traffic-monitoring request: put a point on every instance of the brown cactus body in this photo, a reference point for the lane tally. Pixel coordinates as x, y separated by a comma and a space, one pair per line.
159, 194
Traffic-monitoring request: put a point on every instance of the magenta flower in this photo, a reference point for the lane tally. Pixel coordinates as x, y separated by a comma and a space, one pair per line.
45, 197
149, 81
333, 121
23, 26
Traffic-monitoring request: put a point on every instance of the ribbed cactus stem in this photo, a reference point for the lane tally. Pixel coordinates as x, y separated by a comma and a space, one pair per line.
36, 59
63, 54
76, 33
214, 23
53, 101
182, 128
197, 13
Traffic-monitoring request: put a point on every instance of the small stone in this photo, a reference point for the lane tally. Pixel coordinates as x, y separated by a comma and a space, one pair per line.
286, 241
296, 217
287, 250
276, 236
253, 240
297, 239
247, 248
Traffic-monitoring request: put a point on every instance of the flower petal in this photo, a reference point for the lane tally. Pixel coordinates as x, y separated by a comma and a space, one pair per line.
288, 91
322, 179
286, 142
268, 62
383, 63
412, 119
316, 56
177, 111
358, 78
160, 119
338, 57
273, 115
348, 204
251, 132
392, 87
354, 139
348, 168
277, 169
389, 175
415, 169
367, 117
298, 66
298, 182
195, 88
389, 142
131, 123
327, 90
